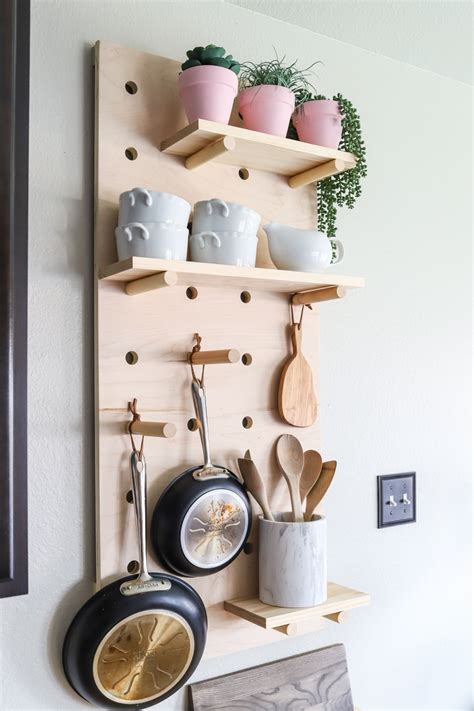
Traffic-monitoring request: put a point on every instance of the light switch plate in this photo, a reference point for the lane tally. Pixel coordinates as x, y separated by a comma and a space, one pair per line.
396, 495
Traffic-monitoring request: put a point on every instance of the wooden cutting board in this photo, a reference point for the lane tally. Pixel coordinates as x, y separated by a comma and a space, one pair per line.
296, 398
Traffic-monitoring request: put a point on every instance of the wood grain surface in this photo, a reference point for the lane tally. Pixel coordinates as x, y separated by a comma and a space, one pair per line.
316, 680
296, 398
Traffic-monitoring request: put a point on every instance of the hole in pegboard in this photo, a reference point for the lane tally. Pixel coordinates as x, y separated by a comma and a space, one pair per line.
246, 297
192, 292
131, 153
248, 548
131, 87
133, 567
247, 423
247, 359
129, 496
131, 357
244, 174
193, 424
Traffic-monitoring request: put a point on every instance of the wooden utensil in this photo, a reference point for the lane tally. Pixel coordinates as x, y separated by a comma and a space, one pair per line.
290, 457
296, 398
319, 489
254, 483
313, 464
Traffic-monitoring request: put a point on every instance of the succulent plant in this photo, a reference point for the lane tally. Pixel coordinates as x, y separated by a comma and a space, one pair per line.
212, 55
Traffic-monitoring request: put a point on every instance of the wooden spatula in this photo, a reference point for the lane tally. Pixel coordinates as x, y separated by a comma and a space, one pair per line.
319, 489
254, 483
296, 398
290, 457
313, 464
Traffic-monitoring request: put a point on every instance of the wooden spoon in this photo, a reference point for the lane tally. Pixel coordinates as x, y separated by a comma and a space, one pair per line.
290, 457
254, 483
319, 489
313, 464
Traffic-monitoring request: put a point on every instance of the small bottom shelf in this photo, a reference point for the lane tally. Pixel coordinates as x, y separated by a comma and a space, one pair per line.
286, 619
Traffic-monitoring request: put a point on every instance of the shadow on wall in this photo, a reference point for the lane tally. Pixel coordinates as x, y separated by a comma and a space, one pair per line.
78, 236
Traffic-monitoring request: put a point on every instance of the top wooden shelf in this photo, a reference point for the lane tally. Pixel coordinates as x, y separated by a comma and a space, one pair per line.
302, 163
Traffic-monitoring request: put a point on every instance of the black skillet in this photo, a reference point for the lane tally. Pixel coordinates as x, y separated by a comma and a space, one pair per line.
138, 639
202, 519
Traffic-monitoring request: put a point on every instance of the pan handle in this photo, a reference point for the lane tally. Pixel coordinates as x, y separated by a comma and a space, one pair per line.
144, 582
208, 470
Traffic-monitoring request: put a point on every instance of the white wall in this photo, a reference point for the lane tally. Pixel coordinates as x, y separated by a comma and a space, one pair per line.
395, 365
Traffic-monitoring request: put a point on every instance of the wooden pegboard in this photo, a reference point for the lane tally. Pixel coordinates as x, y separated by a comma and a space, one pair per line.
159, 327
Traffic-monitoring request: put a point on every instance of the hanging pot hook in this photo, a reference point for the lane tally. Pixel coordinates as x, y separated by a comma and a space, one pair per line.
132, 406
196, 349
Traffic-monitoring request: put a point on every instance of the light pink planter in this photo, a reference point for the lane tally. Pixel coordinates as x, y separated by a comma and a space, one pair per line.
319, 122
208, 92
267, 108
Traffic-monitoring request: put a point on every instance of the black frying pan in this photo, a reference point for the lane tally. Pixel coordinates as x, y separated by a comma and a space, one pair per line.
140, 638
202, 519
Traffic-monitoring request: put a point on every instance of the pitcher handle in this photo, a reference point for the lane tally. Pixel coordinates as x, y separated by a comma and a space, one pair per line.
336, 258
128, 230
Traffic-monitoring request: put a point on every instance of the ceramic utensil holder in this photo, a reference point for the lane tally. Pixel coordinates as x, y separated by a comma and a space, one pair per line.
292, 561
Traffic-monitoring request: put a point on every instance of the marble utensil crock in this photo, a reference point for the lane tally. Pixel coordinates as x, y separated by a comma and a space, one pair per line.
292, 561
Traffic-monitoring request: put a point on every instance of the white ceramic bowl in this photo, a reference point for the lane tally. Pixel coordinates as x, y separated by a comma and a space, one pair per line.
224, 247
302, 250
220, 215
160, 240
142, 205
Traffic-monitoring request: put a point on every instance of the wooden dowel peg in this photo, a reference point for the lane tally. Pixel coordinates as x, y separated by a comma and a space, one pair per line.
324, 170
152, 429
338, 617
315, 295
290, 629
150, 283
213, 357
210, 152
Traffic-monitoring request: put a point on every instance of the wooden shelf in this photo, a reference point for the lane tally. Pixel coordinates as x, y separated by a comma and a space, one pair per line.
133, 270
302, 163
286, 619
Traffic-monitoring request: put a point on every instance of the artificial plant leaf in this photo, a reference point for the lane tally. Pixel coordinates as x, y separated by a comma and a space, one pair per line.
212, 52
235, 67
219, 62
191, 63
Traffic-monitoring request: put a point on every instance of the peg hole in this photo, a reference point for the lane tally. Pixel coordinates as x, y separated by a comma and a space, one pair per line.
192, 292
131, 357
131, 153
247, 359
244, 174
192, 424
247, 423
129, 496
248, 548
131, 87
133, 567
246, 297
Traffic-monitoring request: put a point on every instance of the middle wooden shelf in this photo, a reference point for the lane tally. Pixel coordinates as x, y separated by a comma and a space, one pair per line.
134, 270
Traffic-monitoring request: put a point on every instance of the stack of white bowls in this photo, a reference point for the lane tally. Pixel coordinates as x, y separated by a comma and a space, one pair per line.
224, 233
152, 224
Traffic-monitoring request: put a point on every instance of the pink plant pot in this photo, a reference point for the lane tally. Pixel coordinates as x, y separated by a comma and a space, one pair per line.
319, 122
208, 92
267, 108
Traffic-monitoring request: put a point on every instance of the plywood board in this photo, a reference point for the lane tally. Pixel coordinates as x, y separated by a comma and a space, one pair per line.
159, 327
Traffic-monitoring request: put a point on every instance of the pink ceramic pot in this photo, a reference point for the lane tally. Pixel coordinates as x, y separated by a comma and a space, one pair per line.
208, 92
267, 108
319, 122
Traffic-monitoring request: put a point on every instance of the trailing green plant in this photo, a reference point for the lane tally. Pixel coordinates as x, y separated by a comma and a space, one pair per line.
276, 73
343, 189
212, 55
